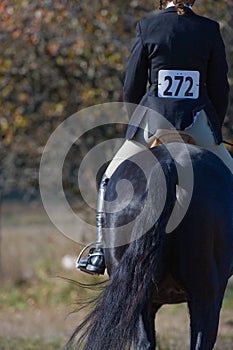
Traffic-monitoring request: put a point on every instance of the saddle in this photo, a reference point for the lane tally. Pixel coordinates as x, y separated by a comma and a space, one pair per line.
168, 136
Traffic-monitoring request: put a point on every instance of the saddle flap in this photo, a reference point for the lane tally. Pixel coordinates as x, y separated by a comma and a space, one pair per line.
168, 136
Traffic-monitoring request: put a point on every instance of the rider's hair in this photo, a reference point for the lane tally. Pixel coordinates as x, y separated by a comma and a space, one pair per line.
181, 5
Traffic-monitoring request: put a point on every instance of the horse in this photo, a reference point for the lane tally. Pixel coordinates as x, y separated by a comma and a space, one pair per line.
151, 265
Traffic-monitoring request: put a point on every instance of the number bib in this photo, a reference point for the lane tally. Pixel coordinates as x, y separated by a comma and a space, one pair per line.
178, 84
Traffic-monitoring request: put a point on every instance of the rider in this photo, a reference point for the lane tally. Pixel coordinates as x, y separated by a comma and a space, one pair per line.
172, 48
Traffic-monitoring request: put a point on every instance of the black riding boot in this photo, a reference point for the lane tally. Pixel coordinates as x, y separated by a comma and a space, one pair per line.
94, 263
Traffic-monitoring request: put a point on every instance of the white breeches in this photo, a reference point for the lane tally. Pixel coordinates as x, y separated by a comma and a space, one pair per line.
199, 130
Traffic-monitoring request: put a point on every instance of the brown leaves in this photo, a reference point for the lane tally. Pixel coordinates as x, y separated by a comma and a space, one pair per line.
57, 57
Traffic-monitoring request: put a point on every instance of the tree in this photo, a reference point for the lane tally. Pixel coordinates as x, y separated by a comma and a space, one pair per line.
57, 57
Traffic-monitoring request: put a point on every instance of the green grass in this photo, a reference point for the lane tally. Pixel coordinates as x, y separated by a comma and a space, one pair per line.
30, 344
43, 293
46, 290
228, 299
50, 292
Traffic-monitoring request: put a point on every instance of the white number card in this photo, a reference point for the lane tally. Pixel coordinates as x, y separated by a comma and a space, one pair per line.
178, 84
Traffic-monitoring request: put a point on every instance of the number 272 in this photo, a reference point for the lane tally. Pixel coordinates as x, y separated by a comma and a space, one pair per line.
180, 80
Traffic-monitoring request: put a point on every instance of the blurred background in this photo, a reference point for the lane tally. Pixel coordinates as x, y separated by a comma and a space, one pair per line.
56, 58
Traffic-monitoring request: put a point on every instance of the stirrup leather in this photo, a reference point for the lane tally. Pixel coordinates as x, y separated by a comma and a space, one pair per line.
94, 263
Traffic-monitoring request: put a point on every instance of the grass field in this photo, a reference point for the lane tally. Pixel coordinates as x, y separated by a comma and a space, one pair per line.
36, 298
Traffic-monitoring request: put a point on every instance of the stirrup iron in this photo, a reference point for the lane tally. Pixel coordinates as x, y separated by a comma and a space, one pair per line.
92, 244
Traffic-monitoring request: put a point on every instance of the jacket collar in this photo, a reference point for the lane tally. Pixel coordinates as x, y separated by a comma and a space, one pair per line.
173, 9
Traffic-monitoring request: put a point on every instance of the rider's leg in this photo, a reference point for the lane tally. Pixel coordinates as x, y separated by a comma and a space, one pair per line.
94, 263
142, 140
127, 150
203, 136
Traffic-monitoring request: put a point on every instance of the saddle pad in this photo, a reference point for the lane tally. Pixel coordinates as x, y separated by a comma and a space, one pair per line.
168, 136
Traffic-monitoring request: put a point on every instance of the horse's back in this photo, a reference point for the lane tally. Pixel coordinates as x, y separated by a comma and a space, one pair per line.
201, 244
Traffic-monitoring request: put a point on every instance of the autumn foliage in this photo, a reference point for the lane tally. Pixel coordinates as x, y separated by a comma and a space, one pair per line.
59, 56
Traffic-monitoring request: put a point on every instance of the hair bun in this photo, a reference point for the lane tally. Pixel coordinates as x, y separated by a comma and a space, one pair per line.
181, 6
